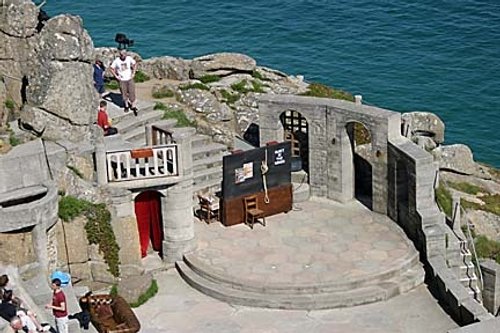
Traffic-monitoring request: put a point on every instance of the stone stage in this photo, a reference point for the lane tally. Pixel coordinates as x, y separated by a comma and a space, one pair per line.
320, 255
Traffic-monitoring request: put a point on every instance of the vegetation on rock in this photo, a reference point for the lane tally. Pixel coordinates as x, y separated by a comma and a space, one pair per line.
163, 92
466, 187
173, 113
209, 78
256, 74
491, 204
321, 90
487, 248
243, 87
228, 97
444, 199
140, 76
196, 85
152, 290
10, 104
98, 227
112, 85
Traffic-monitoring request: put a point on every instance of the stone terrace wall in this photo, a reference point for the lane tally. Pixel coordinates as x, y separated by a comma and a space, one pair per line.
413, 170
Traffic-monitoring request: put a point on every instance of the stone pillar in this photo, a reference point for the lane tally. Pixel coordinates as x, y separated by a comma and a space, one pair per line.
270, 128
491, 291
183, 138
39, 235
100, 161
178, 221
358, 99
149, 135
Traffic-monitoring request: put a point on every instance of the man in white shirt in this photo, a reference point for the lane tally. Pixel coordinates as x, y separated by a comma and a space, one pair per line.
123, 69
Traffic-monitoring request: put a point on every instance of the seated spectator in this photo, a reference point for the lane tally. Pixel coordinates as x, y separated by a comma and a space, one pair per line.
10, 311
103, 119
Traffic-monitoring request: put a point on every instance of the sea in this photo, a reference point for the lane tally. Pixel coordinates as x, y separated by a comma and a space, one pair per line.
441, 56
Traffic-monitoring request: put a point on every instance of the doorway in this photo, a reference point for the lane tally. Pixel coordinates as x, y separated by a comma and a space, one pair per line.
149, 222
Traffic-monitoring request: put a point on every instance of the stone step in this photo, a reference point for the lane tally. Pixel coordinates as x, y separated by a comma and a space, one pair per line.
200, 140
208, 162
207, 150
241, 283
136, 136
314, 300
118, 114
213, 185
142, 119
207, 174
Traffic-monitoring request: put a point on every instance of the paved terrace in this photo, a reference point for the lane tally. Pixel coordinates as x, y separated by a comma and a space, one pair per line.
324, 242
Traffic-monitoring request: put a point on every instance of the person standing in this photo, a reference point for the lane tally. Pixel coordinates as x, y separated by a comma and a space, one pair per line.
99, 70
123, 69
59, 306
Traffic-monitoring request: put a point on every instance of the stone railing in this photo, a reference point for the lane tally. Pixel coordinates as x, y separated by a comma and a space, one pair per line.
143, 163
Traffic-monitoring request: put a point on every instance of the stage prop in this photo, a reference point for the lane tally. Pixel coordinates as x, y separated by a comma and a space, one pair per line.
243, 177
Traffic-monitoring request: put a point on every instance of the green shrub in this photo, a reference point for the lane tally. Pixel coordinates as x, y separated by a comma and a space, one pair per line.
257, 86
467, 188
487, 248
114, 290
361, 134
230, 98
256, 74
112, 85
163, 92
180, 116
240, 87
98, 227
140, 76
10, 104
14, 141
196, 85
152, 290
491, 204
209, 78
321, 90
444, 199
160, 106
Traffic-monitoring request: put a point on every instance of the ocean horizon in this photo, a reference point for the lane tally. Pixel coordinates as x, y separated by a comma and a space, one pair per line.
441, 57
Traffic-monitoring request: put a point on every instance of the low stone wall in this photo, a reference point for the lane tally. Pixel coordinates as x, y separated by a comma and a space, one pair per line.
413, 186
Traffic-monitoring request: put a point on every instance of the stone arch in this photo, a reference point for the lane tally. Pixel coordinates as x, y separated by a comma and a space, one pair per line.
149, 217
360, 161
296, 130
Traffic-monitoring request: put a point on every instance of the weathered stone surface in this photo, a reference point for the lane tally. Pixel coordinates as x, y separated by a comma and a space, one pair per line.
205, 103
166, 68
17, 248
81, 271
222, 64
64, 38
72, 241
131, 270
100, 272
456, 158
485, 223
424, 124
19, 18
425, 142
131, 288
127, 237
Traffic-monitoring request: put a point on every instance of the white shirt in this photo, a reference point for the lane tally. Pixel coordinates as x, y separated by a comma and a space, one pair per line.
123, 68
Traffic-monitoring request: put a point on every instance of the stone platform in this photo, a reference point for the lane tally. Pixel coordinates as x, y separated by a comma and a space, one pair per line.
321, 255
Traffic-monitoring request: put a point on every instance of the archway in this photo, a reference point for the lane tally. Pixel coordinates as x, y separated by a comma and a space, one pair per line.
149, 222
295, 130
361, 149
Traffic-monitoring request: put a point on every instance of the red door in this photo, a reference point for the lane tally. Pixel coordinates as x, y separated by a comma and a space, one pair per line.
149, 221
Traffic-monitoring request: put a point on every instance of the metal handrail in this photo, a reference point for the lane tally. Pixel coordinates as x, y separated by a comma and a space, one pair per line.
474, 253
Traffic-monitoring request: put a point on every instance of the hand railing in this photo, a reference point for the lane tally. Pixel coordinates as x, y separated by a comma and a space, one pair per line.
142, 163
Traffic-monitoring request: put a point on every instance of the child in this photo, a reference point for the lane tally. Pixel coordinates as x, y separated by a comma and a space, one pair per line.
99, 70
103, 120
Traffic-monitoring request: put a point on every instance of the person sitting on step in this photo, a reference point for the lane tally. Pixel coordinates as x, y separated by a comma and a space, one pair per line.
103, 120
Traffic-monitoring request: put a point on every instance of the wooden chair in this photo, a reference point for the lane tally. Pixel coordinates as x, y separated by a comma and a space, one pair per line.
252, 211
209, 208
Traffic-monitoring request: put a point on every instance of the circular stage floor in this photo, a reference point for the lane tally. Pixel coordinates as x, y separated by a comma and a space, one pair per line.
321, 255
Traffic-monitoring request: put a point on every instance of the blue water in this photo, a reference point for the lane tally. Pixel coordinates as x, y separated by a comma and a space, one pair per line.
405, 55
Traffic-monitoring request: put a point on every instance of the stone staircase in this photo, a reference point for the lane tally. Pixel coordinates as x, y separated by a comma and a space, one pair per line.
327, 295
467, 272
207, 163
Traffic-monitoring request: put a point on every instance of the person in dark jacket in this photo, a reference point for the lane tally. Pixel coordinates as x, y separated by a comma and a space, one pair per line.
99, 71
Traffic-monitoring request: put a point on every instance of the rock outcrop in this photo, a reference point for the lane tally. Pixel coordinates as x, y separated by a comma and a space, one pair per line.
221, 64
423, 124
47, 72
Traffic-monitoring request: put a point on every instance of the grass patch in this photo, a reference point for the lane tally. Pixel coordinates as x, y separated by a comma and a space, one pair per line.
487, 248
114, 290
321, 90
256, 74
10, 104
98, 227
171, 113
152, 290
75, 170
491, 204
243, 87
230, 98
209, 78
467, 188
14, 141
361, 134
257, 86
196, 85
444, 199
112, 85
160, 106
163, 92
140, 77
